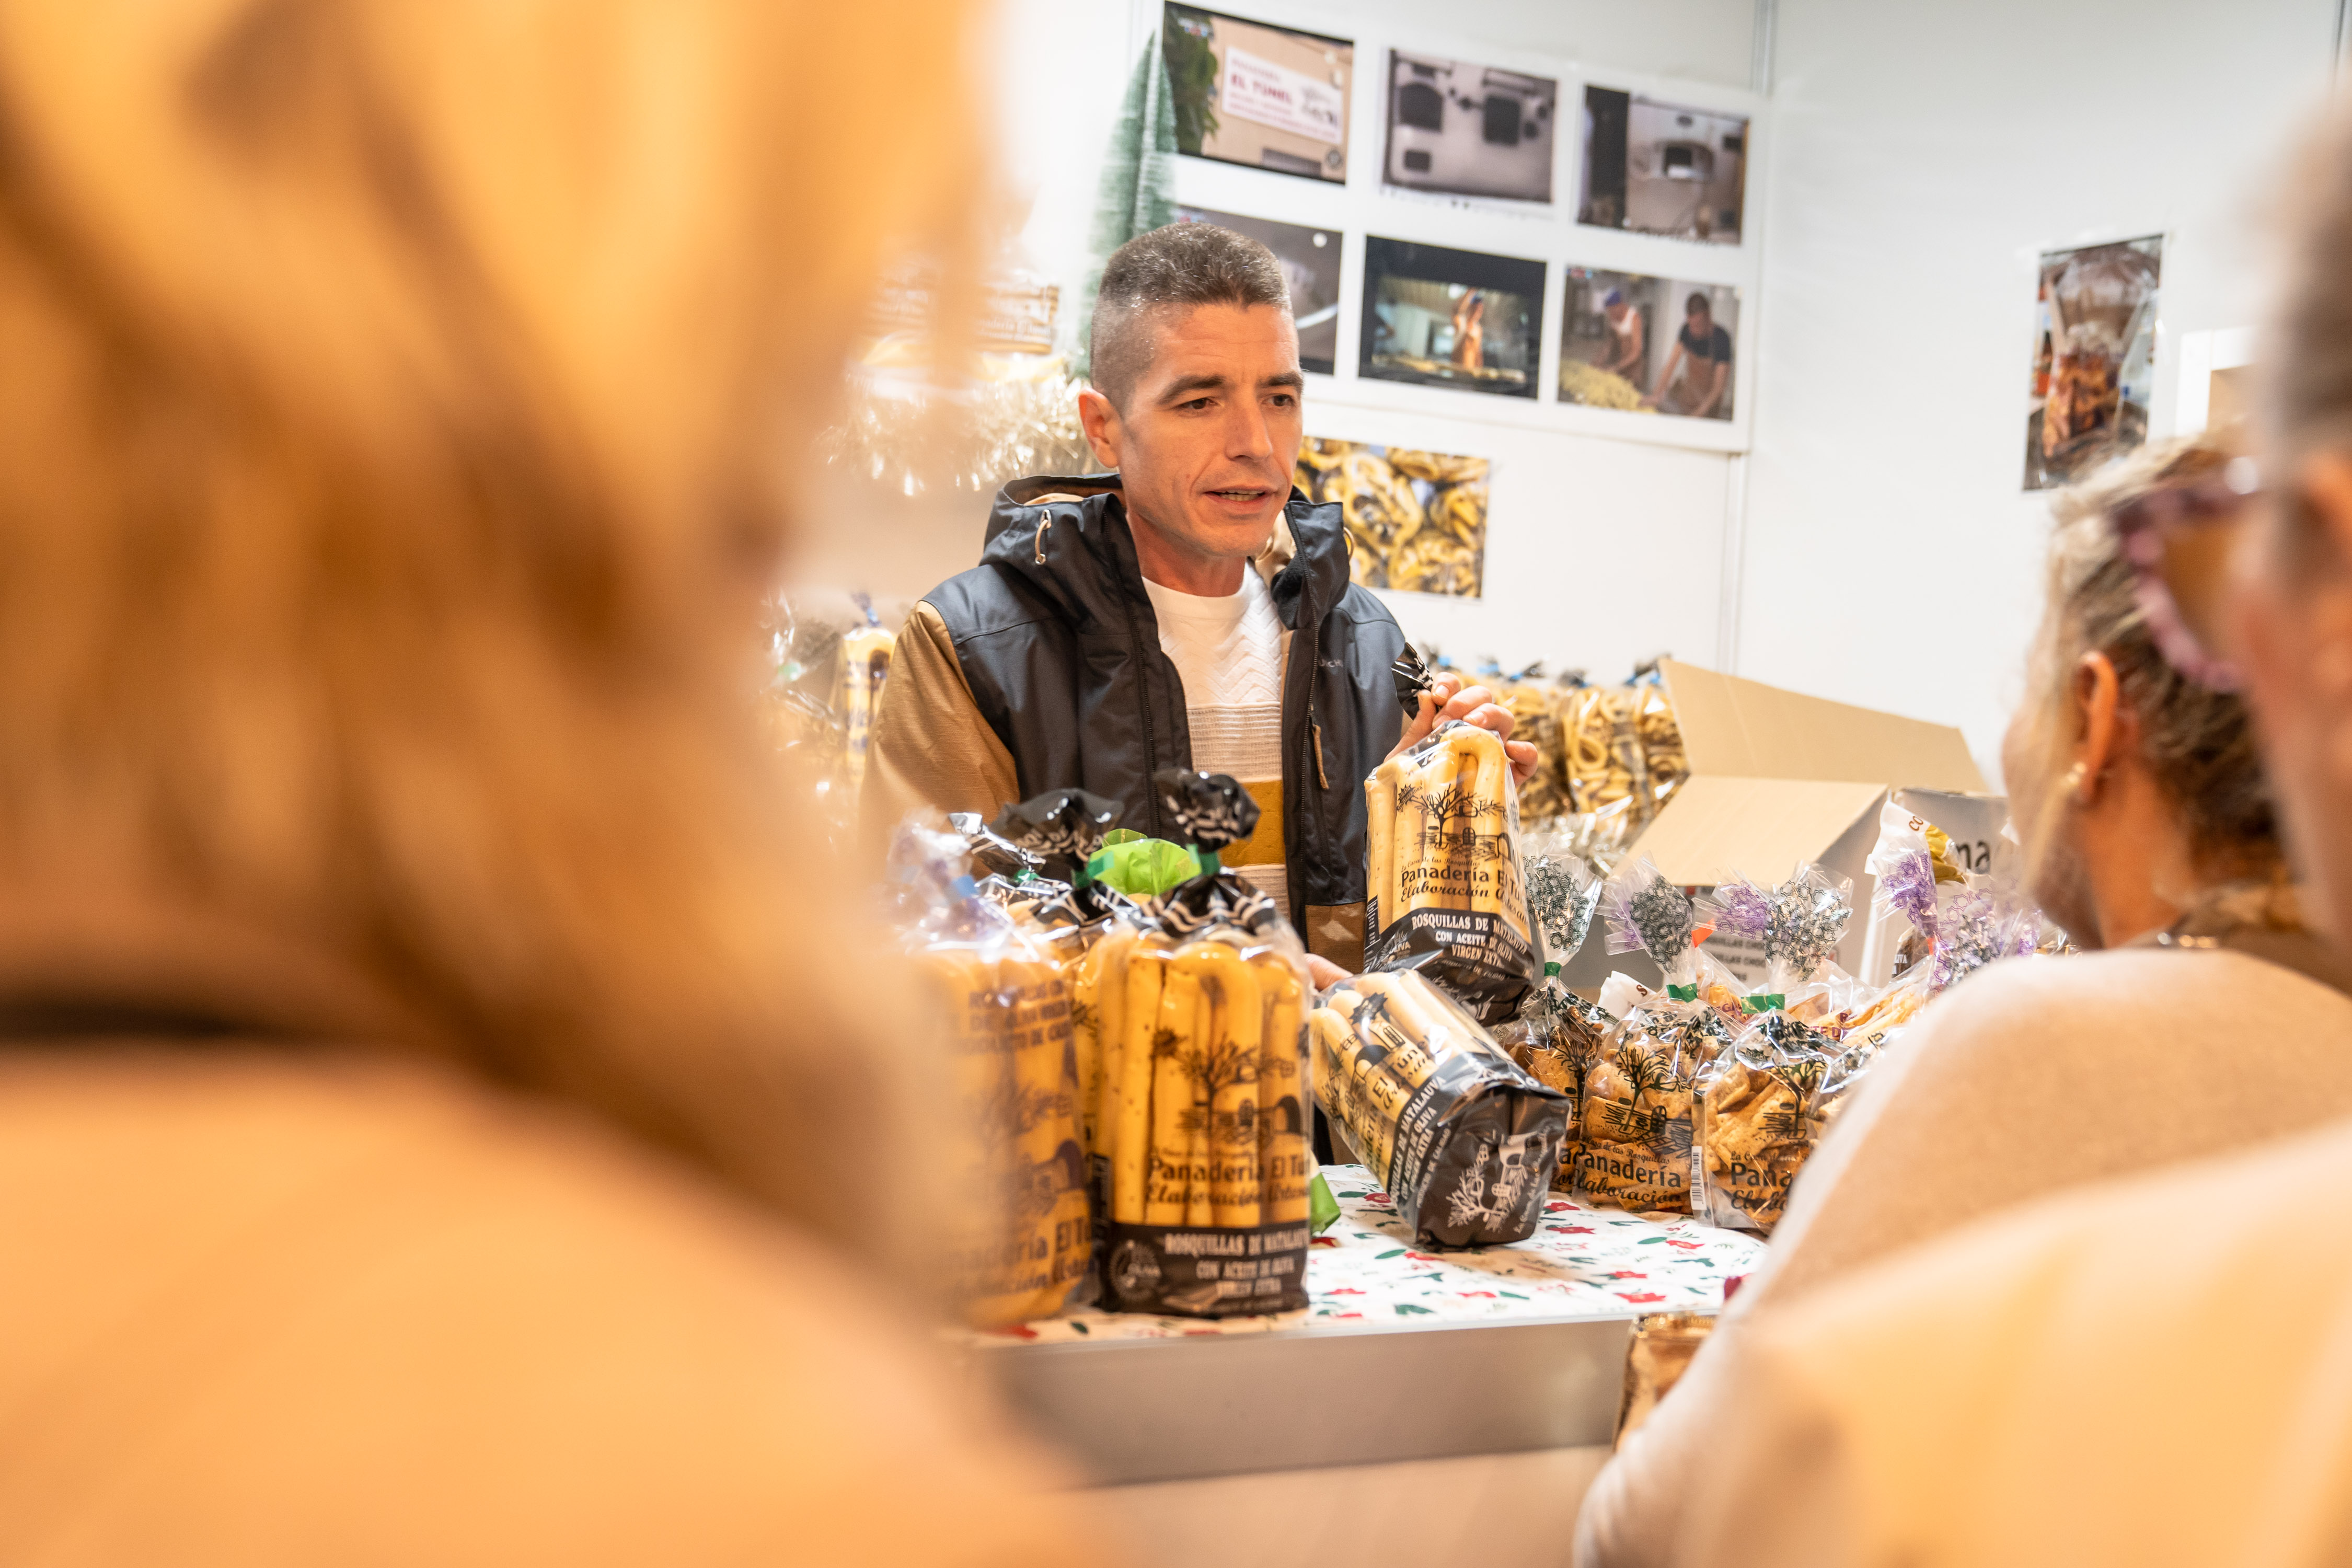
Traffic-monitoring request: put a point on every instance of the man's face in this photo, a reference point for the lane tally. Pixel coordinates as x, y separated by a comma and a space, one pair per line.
1616, 313
1702, 323
1209, 439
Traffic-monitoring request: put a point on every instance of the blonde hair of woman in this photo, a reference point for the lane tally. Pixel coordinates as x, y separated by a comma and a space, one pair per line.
398, 406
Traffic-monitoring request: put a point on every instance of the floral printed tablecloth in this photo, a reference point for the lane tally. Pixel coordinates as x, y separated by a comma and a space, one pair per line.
1365, 1272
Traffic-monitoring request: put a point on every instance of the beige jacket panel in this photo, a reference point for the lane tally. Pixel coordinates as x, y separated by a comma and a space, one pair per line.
268, 1310
2154, 1373
930, 745
2036, 1076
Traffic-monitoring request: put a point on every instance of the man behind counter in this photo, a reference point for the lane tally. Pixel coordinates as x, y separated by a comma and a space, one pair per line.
1189, 609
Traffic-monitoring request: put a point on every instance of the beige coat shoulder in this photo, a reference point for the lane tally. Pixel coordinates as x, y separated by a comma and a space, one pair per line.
930, 746
2151, 1372
341, 1314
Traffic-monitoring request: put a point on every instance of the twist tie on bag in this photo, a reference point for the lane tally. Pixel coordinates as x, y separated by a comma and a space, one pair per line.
1062, 825
1213, 900
1211, 810
1764, 1002
1551, 969
992, 854
1684, 993
1413, 678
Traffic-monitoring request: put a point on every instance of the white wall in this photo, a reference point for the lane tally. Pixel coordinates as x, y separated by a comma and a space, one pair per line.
1601, 552
1921, 155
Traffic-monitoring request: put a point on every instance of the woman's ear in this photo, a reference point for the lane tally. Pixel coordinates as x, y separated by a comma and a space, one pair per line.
2097, 695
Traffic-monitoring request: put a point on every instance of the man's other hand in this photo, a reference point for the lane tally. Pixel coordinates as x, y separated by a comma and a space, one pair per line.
1448, 697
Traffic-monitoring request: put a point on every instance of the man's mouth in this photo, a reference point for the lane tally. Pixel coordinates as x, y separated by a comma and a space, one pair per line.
1249, 495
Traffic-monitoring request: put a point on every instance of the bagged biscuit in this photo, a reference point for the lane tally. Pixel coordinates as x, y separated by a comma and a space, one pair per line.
1026, 1248
1638, 1103
1463, 1138
1761, 1111
1201, 1128
1556, 1035
1447, 889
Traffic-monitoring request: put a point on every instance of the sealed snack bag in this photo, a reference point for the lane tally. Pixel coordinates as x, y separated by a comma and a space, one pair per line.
1007, 1009
1556, 1039
1447, 890
1760, 1110
1464, 1141
1556, 1035
1638, 1127
1201, 1122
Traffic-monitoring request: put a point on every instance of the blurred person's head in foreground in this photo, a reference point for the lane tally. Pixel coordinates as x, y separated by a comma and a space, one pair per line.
394, 409
2289, 615
2135, 789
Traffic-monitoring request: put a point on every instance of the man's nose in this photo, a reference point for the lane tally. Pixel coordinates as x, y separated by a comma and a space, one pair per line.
1247, 438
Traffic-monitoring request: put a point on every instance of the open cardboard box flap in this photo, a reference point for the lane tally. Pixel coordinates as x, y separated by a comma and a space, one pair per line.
1778, 779
1761, 829
1745, 729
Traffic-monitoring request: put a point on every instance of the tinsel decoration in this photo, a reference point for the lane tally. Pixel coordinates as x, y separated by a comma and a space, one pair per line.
970, 442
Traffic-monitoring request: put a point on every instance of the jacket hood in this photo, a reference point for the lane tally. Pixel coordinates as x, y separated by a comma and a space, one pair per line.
1066, 536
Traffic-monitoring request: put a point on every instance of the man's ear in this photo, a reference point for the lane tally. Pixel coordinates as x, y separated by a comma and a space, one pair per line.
1099, 417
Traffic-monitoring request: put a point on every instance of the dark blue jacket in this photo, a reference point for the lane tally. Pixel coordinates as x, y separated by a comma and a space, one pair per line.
1058, 640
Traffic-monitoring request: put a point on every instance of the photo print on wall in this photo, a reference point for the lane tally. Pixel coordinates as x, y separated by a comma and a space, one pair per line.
1310, 264
2093, 358
1417, 521
1660, 345
1663, 169
1465, 130
1450, 318
1268, 98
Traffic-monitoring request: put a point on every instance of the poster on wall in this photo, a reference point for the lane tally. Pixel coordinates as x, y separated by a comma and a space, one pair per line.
1450, 318
1310, 265
1416, 520
2093, 358
1662, 168
1269, 98
1469, 129
1659, 345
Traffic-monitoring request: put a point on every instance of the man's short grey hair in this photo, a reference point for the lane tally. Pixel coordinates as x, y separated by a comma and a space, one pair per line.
1183, 265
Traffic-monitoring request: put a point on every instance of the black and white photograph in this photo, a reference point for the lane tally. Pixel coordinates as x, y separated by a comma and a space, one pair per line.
1644, 344
1451, 318
1310, 263
1456, 128
1265, 96
1662, 168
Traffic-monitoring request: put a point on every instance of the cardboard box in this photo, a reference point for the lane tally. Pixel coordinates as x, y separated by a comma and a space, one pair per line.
1779, 778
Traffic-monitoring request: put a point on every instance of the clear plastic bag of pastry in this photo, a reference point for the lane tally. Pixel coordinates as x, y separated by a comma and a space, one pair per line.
1762, 1106
1555, 1038
1203, 1131
1643, 912
1637, 1123
866, 649
1463, 1138
1448, 888
1015, 1148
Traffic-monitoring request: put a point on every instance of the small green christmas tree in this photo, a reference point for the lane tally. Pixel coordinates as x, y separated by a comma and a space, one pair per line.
1137, 192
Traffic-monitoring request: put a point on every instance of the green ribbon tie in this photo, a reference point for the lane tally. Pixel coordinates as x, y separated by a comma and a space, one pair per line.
1683, 992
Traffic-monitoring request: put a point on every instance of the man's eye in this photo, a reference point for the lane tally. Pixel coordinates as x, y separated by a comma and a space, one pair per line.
1197, 402
1286, 400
